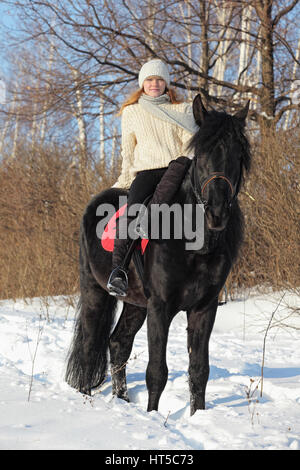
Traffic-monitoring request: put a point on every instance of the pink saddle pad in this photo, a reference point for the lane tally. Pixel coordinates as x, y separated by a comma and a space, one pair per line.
109, 234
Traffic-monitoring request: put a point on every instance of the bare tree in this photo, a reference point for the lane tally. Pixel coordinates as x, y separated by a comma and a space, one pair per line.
228, 46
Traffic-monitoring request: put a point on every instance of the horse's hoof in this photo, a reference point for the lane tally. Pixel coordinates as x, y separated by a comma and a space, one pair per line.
86, 391
122, 396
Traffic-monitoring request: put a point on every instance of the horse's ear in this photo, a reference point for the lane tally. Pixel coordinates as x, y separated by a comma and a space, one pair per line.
242, 113
199, 110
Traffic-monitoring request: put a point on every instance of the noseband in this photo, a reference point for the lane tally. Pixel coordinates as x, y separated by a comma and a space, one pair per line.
214, 176
199, 188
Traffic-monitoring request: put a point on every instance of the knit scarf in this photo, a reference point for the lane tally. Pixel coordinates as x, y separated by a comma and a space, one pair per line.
166, 113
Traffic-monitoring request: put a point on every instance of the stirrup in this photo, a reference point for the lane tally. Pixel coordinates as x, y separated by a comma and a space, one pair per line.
115, 289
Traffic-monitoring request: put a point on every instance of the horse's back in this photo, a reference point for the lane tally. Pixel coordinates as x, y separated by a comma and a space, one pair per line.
98, 212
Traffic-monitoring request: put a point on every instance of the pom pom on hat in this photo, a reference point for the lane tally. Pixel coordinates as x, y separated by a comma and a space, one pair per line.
154, 68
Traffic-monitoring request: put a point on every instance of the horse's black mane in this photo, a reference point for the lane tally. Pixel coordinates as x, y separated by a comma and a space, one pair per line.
219, 127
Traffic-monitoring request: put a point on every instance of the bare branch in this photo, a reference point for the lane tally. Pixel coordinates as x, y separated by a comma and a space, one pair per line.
284, 12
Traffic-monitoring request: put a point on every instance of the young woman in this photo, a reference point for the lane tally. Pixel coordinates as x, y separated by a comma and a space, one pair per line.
156, 129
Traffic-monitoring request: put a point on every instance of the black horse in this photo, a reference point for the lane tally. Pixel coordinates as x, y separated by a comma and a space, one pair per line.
175, 278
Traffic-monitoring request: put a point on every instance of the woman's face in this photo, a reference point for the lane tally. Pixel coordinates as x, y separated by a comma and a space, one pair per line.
154, 86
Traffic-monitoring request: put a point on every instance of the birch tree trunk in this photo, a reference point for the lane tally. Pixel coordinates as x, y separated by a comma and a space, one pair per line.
244, 75
82, 134
101, 124
113, 150
204, 61
223, 12
186, 16
267, 101
3, 102
16, 131
293, 88
245, 46
150, 24
2, 92
254, 102
44, 118
34, 125
15, 141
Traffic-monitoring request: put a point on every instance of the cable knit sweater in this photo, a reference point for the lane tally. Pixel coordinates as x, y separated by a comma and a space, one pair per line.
149, 143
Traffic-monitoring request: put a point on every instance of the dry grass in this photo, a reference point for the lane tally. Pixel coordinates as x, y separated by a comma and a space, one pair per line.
271, 253
42, 201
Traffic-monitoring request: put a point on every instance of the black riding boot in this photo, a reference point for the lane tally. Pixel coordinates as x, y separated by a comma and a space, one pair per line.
123, 247
165, 191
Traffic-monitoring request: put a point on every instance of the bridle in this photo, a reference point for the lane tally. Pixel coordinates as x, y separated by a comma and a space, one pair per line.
200, 187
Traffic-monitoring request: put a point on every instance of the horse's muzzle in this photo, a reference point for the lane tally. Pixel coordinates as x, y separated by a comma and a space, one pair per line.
215, 220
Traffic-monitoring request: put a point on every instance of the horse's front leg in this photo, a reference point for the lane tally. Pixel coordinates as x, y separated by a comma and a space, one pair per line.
158, 322
200, 325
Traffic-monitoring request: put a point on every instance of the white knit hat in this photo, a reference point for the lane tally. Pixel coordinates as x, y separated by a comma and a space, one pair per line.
154, 68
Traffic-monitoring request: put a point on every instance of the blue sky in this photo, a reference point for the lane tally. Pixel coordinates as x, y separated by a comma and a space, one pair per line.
7, 16
7, 24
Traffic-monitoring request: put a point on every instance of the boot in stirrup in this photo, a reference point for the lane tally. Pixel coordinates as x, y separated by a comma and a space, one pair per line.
118, 282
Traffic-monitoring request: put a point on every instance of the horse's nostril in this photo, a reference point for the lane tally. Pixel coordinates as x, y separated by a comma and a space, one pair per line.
216, 221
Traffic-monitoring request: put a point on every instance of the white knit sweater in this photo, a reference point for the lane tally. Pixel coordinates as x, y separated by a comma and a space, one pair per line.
149, 143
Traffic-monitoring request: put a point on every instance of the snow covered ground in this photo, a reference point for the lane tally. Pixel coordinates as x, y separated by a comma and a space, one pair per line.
33, 344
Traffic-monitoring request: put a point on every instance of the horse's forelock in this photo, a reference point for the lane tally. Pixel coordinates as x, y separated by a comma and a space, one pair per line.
217, 127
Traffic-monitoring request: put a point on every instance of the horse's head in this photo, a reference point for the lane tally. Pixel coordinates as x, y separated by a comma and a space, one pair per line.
221, 156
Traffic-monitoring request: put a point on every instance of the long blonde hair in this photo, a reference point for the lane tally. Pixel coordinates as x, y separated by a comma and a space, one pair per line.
134, 98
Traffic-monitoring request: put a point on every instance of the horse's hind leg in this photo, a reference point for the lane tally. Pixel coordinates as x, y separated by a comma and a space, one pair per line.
121, 341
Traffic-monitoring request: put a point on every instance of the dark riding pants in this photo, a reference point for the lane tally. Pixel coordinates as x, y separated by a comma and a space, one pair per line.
144, 185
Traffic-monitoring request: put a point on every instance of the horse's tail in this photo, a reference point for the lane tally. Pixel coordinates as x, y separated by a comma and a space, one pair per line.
87, 359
